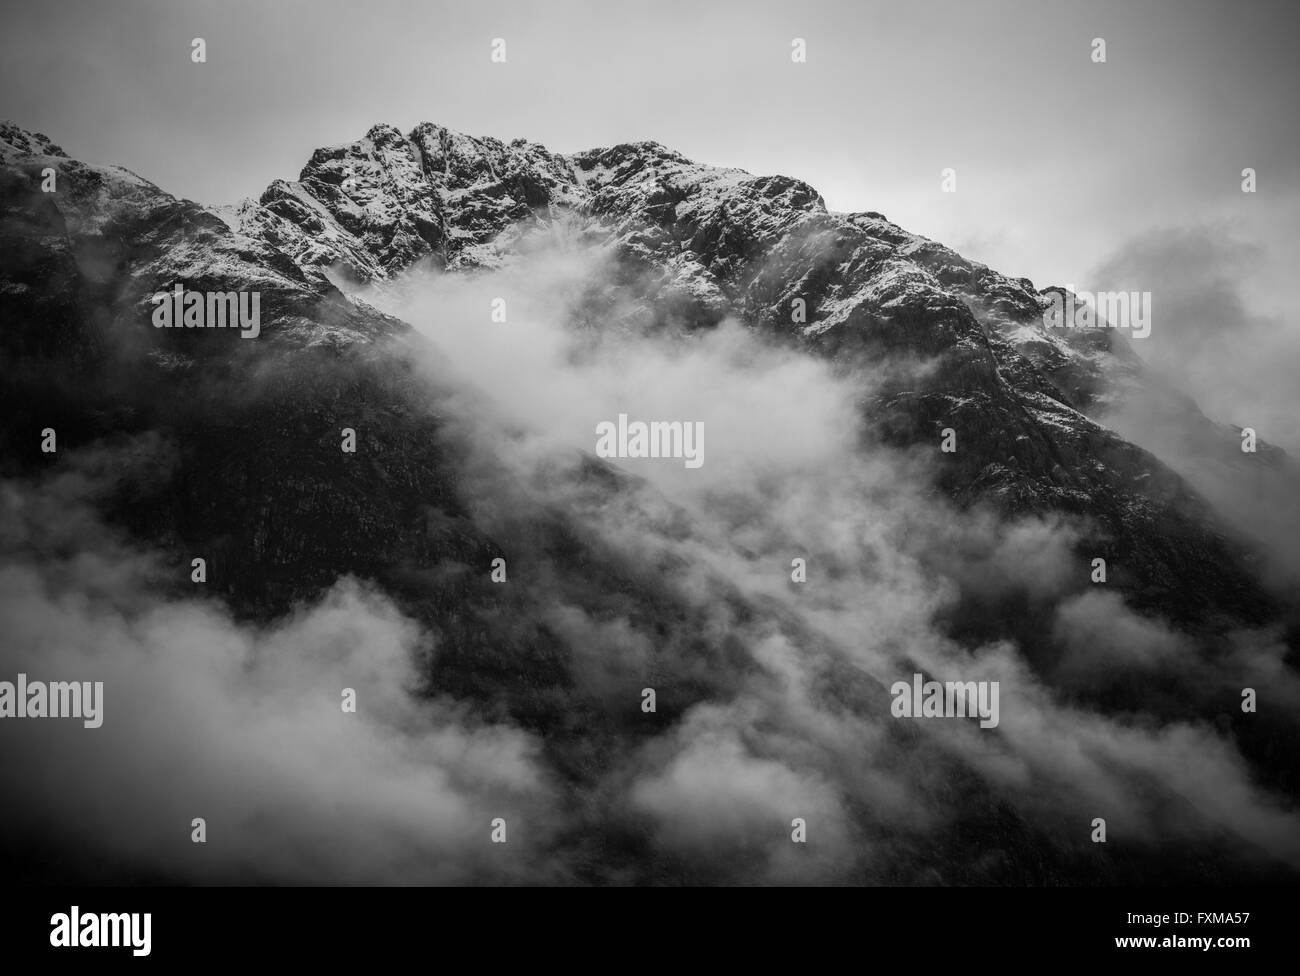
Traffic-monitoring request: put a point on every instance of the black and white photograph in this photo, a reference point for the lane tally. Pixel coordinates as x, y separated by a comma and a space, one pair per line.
826, 445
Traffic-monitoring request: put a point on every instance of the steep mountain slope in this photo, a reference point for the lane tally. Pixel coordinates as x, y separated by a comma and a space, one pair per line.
202, 443
243, 463
697, 243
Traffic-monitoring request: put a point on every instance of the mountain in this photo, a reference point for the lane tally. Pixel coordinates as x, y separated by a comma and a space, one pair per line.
702, 243
203, 444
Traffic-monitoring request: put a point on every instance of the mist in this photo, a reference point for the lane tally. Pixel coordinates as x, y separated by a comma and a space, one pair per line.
1237, 363
773, 701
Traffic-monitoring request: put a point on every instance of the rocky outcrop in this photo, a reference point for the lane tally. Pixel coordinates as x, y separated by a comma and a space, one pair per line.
698, 243
204, 443
244, 465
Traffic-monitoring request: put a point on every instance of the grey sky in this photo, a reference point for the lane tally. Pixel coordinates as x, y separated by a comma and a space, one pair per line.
1059, 161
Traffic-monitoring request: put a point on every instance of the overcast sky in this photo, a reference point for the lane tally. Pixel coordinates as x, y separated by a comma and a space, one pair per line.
1060, 162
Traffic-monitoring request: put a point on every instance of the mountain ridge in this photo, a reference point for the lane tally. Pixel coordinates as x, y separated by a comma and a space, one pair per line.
197, 442
709, 242
703, 243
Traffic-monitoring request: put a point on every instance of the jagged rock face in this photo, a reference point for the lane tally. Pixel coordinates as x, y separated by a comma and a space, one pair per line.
248, 470
237, 443
389, 201
701, 243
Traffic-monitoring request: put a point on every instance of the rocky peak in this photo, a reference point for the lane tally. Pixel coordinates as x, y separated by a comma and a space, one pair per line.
18, 141
213, 445
694, 244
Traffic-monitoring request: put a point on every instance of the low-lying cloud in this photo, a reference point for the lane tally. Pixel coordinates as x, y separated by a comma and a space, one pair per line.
773, 702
